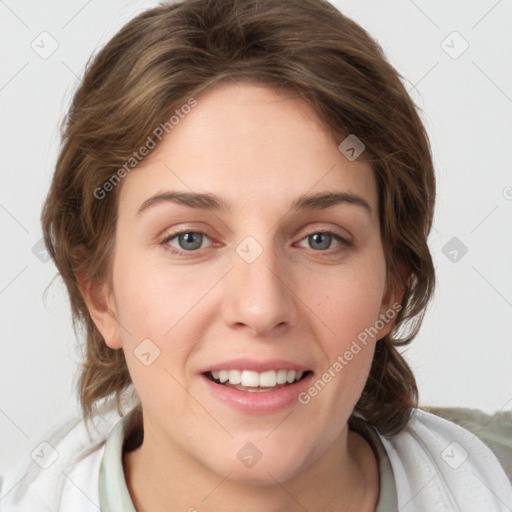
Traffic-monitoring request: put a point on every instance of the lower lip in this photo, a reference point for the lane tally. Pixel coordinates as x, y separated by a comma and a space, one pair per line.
263, 402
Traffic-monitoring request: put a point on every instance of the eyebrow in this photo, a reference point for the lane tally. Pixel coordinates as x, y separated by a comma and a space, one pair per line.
211, 202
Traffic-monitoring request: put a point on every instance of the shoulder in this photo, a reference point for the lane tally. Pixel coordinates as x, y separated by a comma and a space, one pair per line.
440, 465
63, 470
495, 430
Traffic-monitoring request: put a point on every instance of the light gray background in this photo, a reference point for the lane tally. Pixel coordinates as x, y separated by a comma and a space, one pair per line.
463, 355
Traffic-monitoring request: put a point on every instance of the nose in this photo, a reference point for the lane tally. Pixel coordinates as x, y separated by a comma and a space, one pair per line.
259, 295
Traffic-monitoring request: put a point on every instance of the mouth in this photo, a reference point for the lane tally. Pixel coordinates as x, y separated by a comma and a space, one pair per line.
256, 386
257, 382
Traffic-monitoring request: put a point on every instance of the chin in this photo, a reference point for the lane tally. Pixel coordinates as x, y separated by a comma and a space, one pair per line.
260, 475
259, 467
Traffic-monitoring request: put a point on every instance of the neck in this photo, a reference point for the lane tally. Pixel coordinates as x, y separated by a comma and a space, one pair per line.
344, 477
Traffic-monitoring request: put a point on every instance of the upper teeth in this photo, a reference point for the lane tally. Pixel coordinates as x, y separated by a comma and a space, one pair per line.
249, 378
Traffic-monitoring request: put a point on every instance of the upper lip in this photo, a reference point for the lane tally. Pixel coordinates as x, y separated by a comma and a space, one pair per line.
255, 365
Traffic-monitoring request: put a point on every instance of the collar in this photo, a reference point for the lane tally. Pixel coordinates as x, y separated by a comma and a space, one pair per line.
127, 434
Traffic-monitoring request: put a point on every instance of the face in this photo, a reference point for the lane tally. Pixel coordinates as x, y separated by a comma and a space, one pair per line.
232, 262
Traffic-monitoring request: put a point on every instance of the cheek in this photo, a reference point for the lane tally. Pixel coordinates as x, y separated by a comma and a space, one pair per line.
348, 301
153, 304
348, 310
152, 299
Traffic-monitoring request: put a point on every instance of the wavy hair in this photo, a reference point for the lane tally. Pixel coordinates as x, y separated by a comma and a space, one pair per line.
170, 53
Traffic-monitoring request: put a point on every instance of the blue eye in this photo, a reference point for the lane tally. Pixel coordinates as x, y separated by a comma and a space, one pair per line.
322, 240
192, 241
188, 241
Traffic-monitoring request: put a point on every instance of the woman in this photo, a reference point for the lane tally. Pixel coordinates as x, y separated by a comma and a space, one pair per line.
240, 212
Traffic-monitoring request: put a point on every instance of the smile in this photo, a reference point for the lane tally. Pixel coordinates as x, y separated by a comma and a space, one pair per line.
253, 381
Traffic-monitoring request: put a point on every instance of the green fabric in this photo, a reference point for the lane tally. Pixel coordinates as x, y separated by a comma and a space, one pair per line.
114, 495
388, 499
494, 430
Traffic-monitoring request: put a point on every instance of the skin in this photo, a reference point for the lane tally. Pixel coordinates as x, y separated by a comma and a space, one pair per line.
259, 148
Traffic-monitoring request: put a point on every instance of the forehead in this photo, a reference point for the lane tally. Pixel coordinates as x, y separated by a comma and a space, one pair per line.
251, 144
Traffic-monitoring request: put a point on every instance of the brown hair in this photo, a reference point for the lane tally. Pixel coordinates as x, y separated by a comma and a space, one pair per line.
157, 63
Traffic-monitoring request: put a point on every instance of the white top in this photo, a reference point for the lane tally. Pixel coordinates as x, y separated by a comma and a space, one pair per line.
432, 465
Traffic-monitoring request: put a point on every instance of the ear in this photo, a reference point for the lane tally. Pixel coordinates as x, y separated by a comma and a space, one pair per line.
392, 300
100, 304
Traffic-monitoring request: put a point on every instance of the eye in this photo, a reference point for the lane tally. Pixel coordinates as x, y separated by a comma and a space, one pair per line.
322, 240
190, 241
187, 241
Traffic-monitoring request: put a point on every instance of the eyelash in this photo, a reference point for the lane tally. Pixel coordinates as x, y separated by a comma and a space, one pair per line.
344, 243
